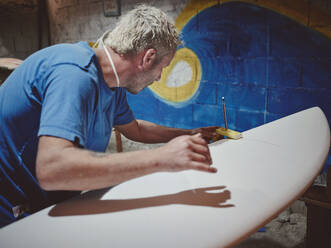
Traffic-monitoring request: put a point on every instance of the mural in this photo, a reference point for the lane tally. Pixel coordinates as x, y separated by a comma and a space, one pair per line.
181, 79
267, 65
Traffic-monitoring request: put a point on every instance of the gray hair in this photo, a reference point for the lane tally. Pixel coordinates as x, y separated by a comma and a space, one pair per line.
142, 28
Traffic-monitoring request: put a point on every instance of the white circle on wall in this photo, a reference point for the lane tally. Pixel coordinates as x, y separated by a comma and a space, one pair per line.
180, 75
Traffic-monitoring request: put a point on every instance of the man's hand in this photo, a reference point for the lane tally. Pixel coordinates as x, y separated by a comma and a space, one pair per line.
184, 153
208, 133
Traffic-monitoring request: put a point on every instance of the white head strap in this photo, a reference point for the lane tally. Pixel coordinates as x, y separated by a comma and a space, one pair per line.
109, 57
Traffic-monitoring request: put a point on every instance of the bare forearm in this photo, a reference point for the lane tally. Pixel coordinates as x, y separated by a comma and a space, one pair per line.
153, 133
63, 166
78, 169
147, 132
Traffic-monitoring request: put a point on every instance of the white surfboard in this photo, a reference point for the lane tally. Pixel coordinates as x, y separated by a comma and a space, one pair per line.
258, 177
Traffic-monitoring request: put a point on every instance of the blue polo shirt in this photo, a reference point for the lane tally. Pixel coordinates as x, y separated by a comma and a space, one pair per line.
58, 91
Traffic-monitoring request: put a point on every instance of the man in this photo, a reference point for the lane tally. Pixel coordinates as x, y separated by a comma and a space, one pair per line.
58, 107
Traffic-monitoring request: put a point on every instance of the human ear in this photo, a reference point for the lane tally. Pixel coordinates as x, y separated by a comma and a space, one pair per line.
149, 58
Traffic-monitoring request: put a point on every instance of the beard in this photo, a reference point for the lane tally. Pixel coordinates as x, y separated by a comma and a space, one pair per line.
135, 90
139, 83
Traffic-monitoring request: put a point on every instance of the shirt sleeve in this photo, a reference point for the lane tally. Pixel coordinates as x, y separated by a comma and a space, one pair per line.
123, 114
68, 102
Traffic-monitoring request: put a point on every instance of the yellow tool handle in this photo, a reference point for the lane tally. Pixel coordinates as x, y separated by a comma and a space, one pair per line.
229, 133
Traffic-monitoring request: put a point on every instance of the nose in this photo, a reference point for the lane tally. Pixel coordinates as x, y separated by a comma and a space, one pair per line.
159, 77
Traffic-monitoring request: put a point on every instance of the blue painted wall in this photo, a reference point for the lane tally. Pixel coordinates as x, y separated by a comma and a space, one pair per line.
265, 65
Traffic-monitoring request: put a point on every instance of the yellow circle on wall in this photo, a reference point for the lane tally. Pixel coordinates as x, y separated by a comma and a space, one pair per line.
181, 79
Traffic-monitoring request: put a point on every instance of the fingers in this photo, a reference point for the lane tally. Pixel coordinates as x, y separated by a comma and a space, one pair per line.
200, 145
188, 152
200, 158
209, 130
208, 136
194, 165
197, 138
208, 133
200, 151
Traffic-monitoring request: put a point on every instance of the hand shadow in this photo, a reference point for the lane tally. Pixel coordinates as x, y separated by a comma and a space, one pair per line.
91, 203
